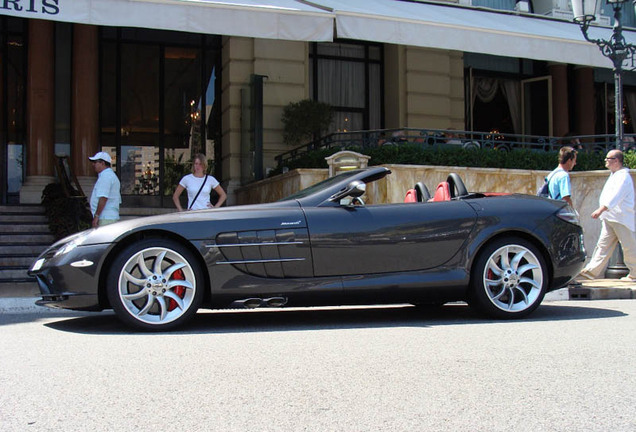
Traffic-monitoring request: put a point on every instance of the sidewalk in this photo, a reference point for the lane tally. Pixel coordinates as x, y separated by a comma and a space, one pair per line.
16, 301
602, 289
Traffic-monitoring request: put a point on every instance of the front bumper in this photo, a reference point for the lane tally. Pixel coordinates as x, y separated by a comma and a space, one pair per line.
568, 252
70, 280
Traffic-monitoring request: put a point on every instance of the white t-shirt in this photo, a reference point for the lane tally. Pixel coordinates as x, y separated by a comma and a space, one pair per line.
618, 196
107, 186
192, 185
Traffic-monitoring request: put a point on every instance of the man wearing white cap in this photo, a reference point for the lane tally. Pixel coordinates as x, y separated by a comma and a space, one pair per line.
106, 195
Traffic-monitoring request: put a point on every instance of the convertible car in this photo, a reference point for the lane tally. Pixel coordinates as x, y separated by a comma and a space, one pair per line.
322, 246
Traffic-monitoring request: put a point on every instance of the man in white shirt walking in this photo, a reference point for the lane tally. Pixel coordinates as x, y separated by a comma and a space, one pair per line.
106, 195
616, 213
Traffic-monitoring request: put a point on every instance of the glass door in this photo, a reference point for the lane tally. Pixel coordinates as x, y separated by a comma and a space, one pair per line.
12, 108
158, 109
536, 105
183, 134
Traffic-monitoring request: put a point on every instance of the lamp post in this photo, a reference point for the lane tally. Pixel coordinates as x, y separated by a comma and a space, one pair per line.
616, 49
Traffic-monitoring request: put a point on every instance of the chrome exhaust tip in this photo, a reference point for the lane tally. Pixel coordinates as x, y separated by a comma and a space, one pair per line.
252, 303
275, 302
255, 302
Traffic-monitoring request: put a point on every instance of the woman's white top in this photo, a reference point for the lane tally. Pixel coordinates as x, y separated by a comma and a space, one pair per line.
192, 185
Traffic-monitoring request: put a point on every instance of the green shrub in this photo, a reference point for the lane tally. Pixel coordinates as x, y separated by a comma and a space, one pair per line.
66, 215
630, 159
412, 154
175, 169
305, 121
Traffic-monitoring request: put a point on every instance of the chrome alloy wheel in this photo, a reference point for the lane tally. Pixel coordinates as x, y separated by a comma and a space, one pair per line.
513, 278
157, 285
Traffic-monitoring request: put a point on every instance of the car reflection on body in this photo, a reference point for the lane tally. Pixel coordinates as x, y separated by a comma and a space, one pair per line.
322, 246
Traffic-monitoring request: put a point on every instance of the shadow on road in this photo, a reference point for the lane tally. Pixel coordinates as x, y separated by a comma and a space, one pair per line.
267, 320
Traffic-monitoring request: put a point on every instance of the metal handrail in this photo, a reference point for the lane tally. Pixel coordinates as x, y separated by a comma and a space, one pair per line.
449, 138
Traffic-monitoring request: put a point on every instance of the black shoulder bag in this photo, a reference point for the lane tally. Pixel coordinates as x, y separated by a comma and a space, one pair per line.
200, 189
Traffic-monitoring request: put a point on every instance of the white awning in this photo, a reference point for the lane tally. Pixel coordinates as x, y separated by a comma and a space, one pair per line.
437, 25
271, 19
431, 25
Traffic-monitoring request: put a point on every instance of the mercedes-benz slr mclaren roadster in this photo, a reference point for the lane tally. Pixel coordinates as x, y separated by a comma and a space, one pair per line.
322, 246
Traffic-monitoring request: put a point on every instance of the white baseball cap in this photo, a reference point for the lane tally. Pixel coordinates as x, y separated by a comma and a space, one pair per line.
101, 156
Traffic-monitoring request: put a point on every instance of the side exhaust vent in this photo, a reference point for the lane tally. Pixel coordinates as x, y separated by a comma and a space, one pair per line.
276, 301
255, 302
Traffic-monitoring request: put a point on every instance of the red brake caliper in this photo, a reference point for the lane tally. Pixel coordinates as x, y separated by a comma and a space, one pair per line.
178, 290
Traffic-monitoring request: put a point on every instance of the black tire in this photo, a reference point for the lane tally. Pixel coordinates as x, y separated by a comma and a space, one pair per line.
456, 185
508, 279
155, 284
422, 193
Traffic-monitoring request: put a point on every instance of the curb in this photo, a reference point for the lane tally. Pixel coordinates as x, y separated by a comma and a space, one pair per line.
602, 289
599, 289
19, 305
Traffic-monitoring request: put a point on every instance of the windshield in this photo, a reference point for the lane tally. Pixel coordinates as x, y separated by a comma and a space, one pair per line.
321, 185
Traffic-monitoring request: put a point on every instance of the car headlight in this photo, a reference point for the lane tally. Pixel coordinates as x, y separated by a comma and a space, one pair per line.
37, 265
568, 214
70, 245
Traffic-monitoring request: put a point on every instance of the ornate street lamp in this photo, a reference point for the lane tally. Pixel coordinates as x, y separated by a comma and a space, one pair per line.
616, 49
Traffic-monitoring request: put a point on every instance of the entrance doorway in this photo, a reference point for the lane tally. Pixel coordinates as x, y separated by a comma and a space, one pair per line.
536, 104
12, 104
160, 105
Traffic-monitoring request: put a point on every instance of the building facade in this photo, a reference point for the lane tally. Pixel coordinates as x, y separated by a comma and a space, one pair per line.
154, 82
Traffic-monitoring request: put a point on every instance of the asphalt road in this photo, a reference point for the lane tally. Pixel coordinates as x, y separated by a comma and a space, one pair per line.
570, 367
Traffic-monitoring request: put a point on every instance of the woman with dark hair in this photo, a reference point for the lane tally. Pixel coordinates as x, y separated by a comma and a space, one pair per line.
199, 185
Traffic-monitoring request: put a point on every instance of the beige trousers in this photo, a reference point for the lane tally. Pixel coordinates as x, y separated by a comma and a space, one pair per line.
611, 234
103, 222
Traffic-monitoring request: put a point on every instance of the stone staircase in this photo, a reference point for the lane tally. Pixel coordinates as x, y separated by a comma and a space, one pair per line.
24, 234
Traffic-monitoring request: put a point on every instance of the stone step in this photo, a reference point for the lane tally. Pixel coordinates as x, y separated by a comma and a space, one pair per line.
17, 261
21, 228
123, 211
23, 218
23, 249
22, 209
12, 273
27, 239
19, 289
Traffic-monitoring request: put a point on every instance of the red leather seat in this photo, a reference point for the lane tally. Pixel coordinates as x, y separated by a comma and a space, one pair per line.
442, 193
411, 196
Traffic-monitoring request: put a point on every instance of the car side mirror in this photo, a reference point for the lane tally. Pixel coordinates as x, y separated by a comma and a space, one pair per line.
354, 189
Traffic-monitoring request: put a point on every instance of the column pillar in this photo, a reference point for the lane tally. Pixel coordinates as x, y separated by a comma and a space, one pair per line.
84, 103
238, 66
40, 115
560, 105
584, 119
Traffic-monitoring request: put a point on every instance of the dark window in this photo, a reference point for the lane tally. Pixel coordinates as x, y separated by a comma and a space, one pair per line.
349, 76
158, 107
12, 107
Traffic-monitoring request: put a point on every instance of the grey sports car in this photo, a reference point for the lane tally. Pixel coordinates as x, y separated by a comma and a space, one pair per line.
322, 246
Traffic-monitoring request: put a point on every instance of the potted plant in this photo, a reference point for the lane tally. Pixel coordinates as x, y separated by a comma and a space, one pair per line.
305, 121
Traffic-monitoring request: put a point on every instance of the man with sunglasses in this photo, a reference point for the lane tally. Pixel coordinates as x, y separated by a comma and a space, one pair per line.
616, 213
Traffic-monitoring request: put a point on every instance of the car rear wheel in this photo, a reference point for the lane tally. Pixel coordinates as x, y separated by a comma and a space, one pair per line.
155, 284
509, 279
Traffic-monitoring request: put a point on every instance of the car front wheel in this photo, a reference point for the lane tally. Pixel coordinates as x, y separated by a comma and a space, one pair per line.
155, 284
509, 279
